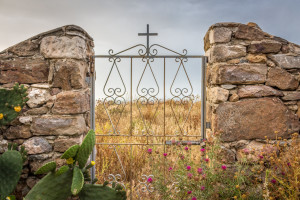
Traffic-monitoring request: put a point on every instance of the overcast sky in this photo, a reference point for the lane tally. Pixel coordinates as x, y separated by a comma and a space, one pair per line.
114, 24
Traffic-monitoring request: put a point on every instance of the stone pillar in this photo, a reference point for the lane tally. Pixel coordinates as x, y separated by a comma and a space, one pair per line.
253, 85
53, 66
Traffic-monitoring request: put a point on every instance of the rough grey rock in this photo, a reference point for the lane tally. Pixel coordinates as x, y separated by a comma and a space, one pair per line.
286, 61
37, 97
239, 74
18, 132
264, 46
58, 125
291, 96
71, 102
68, 74
37, 145
254, 119
281, 79
223, 52
219, 35
258, 91
217, 95
63, 47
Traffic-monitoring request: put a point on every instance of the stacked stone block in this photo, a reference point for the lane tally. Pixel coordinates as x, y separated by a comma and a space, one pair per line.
53, 66
253, 86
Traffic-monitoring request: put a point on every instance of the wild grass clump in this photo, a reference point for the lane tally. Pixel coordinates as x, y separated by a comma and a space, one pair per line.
185, 171
205, 178
282, 166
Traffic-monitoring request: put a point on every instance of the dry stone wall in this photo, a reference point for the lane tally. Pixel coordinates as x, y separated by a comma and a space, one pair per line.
53, 66
252, 86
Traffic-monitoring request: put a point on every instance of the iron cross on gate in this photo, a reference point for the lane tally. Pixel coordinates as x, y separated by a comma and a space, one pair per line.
147, 34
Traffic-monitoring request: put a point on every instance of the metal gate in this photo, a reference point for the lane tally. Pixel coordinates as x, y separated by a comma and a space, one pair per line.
138, 122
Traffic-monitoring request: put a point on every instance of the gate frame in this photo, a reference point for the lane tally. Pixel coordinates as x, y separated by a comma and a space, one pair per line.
149, 55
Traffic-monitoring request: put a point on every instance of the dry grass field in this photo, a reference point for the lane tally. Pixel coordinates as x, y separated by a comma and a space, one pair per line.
149, 129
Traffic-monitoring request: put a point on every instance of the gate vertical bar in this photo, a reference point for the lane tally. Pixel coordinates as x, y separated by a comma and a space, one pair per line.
131, 186
164, 118
92, 113
203, 98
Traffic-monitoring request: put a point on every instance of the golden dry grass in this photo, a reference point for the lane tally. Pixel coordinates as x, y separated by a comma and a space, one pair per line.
147, 120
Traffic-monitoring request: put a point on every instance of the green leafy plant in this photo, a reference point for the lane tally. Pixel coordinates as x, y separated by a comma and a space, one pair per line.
70, 179
11, 103
11, 163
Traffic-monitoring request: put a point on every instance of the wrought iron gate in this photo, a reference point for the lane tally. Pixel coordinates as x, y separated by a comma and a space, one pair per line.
148, 111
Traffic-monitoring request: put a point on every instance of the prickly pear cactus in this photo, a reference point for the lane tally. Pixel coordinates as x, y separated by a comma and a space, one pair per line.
48, 167
11, 103
62, 170
11, 163
52, 187
86, 149
71, 152
100, 192
77, 182
70, 179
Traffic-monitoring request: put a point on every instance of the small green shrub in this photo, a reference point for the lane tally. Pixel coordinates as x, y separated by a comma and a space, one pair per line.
11, 103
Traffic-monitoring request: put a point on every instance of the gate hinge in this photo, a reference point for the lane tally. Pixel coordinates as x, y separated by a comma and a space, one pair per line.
208, 125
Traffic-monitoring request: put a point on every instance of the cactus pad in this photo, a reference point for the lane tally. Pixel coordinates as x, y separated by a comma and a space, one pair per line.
11, 164
77, 182
71, 152
48, 167
86, 149
99, 192
62, 170
9, 100
52, 187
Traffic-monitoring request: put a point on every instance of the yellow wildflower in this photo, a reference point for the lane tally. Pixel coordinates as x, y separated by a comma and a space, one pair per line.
70, 161
237, 186
235, 197
17, 108
1, 115
92, 163
235, 177
7, 198
244, 196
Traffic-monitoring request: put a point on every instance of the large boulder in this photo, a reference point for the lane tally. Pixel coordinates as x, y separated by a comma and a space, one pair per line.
254, 119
